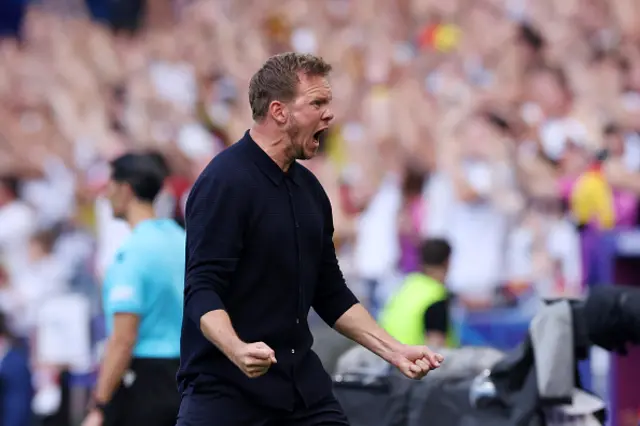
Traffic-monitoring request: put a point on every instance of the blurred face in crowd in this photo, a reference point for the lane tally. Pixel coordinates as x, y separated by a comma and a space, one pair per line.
547, 91
476, 139
119, 195
308, 116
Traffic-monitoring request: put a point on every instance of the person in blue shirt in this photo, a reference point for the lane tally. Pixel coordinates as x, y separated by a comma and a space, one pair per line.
142, 298
16, 391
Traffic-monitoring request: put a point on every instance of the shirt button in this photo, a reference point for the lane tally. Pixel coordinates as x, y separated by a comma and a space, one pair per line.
293, 351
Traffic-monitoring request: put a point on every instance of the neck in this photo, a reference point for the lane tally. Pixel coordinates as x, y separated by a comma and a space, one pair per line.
139, 212
275, 144
437, 274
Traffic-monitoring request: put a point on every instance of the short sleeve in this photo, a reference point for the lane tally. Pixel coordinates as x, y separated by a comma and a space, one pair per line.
436, 317
125, 293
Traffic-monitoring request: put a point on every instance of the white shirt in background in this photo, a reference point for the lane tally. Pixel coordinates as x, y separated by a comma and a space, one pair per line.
439, 193
519, 255
41, 281
476, 231
561, 242
17, 224
53, 196
74, 248
377, 249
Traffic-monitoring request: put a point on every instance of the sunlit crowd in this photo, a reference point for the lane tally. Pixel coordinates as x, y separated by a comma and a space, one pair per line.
474, 121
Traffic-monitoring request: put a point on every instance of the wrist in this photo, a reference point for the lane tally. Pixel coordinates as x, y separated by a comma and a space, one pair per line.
233, 348
392, 348
97, 405
386, 347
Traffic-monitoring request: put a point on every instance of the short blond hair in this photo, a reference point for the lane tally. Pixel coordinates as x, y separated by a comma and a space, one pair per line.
278, 79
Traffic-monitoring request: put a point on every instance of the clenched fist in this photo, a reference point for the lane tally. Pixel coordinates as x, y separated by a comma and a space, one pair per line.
254, 359
415, 361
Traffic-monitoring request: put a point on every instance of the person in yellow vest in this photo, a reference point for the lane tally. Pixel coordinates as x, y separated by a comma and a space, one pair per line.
418, 311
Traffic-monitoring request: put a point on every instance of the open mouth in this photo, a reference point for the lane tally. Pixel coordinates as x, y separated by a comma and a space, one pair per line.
320, 135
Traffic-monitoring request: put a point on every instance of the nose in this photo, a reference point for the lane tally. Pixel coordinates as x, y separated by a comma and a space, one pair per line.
327, 117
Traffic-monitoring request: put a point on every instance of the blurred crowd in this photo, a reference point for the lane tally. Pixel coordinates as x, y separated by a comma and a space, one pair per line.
501, 125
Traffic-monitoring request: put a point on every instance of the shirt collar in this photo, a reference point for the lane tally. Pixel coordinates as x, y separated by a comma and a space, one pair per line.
267, 165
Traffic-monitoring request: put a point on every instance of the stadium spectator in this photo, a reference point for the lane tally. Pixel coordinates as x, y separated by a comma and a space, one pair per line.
417, 312
510, 100
18, 224
15, 380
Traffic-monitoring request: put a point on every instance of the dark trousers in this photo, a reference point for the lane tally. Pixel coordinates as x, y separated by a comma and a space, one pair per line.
148, 395
225, 406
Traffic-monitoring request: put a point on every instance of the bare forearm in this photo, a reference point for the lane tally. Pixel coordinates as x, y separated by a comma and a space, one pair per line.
116, 360
217, 328
358, 325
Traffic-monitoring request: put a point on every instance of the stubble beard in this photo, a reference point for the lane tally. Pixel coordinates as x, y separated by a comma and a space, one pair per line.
297, 146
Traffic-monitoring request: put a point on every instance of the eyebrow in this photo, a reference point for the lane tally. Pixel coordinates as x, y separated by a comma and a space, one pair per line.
321, 99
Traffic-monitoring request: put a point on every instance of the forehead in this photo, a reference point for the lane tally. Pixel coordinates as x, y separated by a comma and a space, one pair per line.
314, 86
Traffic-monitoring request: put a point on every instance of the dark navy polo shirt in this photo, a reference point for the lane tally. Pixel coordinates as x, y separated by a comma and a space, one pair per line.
260, 246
